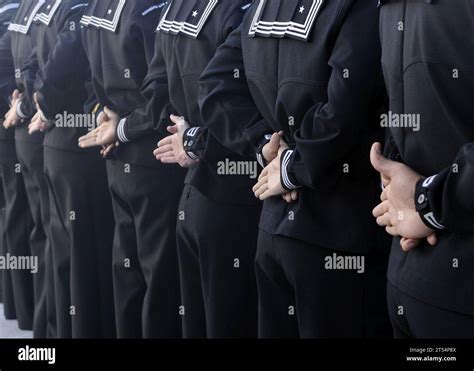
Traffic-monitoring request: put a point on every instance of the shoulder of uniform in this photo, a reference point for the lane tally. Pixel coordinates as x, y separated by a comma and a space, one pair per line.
235, 8
232, 6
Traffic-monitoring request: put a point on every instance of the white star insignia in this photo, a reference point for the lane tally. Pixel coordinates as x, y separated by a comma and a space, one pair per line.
48, 7
195, 13
26, 18
109, 11
301, 9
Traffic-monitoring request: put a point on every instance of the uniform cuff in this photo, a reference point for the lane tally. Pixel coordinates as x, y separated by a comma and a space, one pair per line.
98, 115
121, 131
423, 204
288, 182
189, 140
43, 117
19, 112
260, 159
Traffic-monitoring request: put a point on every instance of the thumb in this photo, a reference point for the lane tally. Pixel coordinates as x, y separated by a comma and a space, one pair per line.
379, 162
433, 239
176, 119
15, 94
172, 129
35, 97
274, 143
109, 112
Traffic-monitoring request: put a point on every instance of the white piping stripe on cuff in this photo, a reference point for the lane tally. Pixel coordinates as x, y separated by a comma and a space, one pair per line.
192, 132
43, 117
97, 119
432, 220
192, 155
260, 160
121, 131
284, 172
19, 112
428, 181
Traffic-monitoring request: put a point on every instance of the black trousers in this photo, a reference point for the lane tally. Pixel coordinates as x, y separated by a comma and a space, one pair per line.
413, 318
300, 297
145, 263
6, 282
216, 246
18, 229
30, 156
2, 232
82, 231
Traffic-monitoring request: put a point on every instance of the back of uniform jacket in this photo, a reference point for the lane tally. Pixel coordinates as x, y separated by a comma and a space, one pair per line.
8, 9
119, 39
23, 32
188, 36
63, 72
312, 70
429, 73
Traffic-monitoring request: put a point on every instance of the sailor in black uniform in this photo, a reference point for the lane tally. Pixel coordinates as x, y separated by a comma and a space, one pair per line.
218, 215
119, 40
26, 237
81, 213
309, 69
8, 9
430, 79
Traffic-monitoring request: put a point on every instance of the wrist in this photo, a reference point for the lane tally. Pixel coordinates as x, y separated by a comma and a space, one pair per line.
188, 141
120, 131
288, 181
422, 204
19, 112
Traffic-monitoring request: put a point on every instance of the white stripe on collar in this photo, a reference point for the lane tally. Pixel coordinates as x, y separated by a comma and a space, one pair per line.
282, 29
46, 18
190, 29
14, 27
104, 23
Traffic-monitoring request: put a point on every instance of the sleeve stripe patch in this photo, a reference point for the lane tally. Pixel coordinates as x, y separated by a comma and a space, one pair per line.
121, 131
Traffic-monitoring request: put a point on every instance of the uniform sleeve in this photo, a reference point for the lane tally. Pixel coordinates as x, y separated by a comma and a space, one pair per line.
450, 195
144, 120
7, 73
26, 84
199, 143
331, 130
227, 107
66, 71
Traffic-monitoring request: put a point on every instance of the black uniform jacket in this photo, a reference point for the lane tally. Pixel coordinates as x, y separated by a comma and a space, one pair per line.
429, 72
189, 34
23, 33
8, 9
119, 39
63, 72
312, 70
